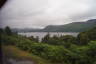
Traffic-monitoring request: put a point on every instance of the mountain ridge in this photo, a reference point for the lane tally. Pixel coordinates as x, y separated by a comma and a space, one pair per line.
71, 27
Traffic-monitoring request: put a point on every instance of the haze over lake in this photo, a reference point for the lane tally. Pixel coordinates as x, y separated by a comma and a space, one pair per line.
42, 34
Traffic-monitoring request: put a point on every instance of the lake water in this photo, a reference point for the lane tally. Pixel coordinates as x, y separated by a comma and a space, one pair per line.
42, 34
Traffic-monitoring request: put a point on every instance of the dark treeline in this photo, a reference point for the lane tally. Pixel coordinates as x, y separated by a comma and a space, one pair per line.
59, 50
82, 38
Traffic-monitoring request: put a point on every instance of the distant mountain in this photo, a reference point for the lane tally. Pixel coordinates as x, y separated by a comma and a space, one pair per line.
71, 27
26, 30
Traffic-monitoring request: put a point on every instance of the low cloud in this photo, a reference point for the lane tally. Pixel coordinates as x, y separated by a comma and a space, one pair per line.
40, 13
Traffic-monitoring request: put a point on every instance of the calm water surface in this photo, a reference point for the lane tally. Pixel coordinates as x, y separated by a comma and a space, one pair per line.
42, 34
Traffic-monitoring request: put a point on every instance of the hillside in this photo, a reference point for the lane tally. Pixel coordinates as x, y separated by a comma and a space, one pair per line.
26, 30
72, 27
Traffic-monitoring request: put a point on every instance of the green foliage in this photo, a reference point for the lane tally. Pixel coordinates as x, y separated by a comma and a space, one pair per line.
34, 39
8, 31
92, 34
83, 38
60, 50
68, 38
87, 36
1, 31
91, 52
37, 39
15, 53
46, 38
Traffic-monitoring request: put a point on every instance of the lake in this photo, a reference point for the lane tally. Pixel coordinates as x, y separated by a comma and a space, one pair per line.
42, 34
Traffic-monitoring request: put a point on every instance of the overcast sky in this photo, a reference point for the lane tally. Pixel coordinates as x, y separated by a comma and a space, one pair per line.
40, 13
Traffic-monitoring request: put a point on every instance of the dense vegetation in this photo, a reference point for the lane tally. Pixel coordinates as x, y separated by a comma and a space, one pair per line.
57, 50
14, 53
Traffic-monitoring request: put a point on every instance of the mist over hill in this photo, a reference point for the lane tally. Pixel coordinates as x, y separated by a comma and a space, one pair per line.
71, 27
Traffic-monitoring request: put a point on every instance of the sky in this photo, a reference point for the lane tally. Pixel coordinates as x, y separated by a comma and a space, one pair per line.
40, 13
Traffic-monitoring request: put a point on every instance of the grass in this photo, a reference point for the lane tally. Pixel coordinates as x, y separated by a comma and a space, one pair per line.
16, 53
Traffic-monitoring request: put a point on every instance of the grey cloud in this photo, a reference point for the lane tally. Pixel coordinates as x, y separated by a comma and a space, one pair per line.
40, 13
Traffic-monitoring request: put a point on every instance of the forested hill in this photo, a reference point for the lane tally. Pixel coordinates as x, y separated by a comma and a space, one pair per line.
71, 27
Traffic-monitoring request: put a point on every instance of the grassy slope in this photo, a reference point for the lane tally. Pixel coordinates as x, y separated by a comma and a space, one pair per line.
16, 53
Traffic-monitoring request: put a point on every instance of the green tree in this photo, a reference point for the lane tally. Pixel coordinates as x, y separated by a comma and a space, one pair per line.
37, 39
87, 36
8, 31
91, 52
1, 31
92, 34
32, 38
68, 38
83, 38
46, 38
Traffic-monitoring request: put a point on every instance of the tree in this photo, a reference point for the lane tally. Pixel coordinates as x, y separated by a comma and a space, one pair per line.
92, 34
46, 38
8, 31
1, 31
83, 38
55, 37
37, 39
92, 49
68, 38
32, 38
87, 36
